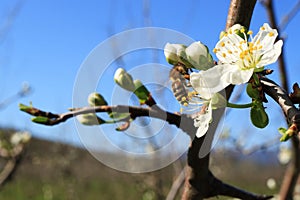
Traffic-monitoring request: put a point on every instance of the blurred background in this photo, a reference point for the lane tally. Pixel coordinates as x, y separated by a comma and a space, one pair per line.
42, 47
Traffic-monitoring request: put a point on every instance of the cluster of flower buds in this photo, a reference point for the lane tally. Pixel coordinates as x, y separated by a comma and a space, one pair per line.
194, 56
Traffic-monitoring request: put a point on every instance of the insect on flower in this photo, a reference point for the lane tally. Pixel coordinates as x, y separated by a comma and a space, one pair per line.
179, 75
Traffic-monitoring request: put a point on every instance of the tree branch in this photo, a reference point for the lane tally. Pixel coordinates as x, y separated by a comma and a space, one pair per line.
199, 180
293, 117
182, 121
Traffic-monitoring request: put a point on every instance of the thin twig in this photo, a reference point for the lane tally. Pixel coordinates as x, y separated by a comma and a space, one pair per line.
176, 185
289, 16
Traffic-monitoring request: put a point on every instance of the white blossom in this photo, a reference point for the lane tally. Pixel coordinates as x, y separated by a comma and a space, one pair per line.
238, 59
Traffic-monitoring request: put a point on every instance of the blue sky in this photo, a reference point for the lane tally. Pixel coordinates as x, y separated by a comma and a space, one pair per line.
46, 42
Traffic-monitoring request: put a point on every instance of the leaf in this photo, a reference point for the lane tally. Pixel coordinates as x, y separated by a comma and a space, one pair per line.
259, 117
282, 130
41, 120
252, 92
285, 138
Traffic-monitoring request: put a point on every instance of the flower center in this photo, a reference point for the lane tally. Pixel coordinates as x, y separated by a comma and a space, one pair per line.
248, 54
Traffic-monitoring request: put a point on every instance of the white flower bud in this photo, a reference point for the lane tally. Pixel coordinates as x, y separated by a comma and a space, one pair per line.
198, 56
90, 119
124, 80
96, 99
175, 53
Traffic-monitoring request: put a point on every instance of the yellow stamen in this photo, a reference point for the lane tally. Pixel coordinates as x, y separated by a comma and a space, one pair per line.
185, 104
222, 44
271, 34
250, 32
230, 52
215, 50
262, 28
183, 98
224, 55
242, 30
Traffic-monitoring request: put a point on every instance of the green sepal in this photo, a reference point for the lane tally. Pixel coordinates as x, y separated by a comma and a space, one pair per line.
41, 120
118, 116
252, 92
258, 115
141, 91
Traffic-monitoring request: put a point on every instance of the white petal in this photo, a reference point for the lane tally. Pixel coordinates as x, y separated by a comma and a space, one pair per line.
228, 45
263, 37
271, 55
213, 80
202, 122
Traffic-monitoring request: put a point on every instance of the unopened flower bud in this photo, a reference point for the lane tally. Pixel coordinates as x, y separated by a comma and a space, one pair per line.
124, 80
90, 119
175, 53
198, 56
96, 99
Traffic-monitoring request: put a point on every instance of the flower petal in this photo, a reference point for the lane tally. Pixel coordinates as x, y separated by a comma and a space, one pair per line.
227, 48
202, 121
265, 37
213, 80
271, 55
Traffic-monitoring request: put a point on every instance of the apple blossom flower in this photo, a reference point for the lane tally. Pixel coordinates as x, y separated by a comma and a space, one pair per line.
239, 59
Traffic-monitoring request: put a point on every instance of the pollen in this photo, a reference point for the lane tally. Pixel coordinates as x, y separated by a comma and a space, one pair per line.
183, 99
215, 50
185, 104
271, 34
224, 55
242, 30
222, 44
242, 55
181, 110
262, 28
230, 52
250, 32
